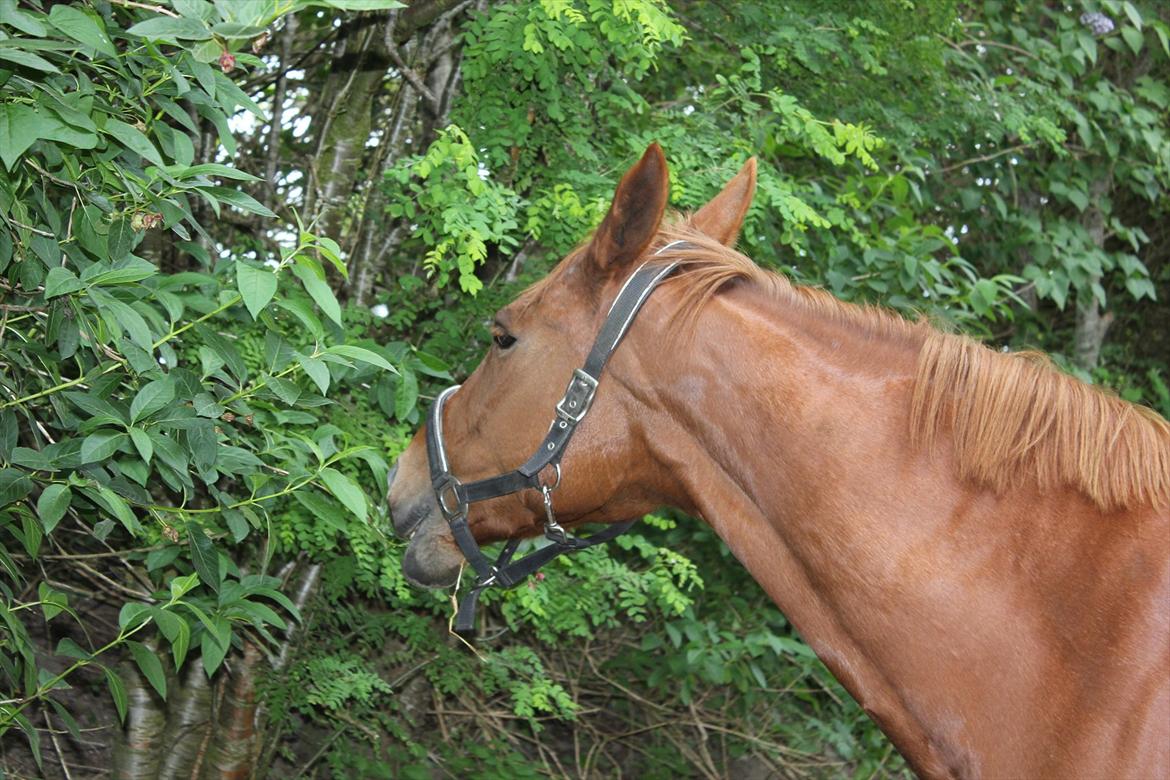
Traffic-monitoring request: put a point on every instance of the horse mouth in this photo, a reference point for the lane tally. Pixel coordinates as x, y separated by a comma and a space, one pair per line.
431, 560
406, 523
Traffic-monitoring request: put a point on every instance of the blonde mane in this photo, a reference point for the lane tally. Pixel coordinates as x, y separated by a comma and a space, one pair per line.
1013, 417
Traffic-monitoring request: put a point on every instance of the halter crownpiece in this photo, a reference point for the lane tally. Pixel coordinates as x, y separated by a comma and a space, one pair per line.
454, 497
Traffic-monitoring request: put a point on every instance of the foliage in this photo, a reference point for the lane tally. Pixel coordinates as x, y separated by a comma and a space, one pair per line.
197, 409
130, 414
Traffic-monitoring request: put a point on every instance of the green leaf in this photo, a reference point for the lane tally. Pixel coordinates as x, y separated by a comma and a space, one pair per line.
151, 398
214, 649
82, 27
70, 649
256, 285
53, 602
142, 443
285, 390
134, 140
1140, 287
318, 289
32, 534
204, 557
67, 719
1134, 15
133, 270
52, 504
1133, 37
150, 666
121, 239
26, 23
168, 622
20, 128
346, 491
406, 397
180, 644
117, 691
209, 169
117, 506
237, 524
60, 281
34, 736
171, 30
133, 614
130, 320
316, 370
241, 200
28, 60
101, 445
325, 510
181, 586
364, 355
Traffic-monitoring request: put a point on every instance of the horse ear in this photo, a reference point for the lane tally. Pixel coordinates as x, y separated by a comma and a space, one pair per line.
634, 216
723, 216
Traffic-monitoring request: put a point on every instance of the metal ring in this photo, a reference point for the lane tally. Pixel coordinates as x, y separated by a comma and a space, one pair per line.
450, 488
556, 483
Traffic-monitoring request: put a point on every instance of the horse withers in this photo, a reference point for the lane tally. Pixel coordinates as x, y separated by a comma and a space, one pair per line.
977, 546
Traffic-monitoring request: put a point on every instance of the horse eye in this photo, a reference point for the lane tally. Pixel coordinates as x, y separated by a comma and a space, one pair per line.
504, 340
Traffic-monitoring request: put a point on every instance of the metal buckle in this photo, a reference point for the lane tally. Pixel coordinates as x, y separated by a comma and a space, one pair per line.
450, 486
573, 406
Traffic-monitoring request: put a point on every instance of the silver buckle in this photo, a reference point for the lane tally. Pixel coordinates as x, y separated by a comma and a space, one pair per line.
450, 487
573, 406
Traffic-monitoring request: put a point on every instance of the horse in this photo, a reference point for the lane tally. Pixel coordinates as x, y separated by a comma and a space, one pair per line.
975, 544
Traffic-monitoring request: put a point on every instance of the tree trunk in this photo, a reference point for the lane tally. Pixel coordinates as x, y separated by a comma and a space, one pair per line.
344, 128
1092, 323
140, 747
233, 747
187, 723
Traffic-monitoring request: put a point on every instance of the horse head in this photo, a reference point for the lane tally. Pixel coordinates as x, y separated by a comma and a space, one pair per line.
501, 413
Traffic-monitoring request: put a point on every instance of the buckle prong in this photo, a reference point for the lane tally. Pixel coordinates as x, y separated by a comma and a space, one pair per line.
573, 405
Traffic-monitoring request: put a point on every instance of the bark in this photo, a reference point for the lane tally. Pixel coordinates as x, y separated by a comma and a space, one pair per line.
270, 742
139, 748
344, 131
1092, 324
187, 723
419, 15
233, 747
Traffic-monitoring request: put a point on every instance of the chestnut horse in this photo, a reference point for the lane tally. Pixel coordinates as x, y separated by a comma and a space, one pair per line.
977, 546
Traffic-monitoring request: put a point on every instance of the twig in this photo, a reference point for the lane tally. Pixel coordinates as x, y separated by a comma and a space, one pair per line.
406, 71
985, 157
996, 44
38, 231
56, 744
158, 9
320, 752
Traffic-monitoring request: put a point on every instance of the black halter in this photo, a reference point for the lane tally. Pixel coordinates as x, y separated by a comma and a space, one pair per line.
454, 496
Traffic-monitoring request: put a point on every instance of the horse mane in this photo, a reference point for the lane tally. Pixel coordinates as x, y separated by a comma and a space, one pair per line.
1014, 418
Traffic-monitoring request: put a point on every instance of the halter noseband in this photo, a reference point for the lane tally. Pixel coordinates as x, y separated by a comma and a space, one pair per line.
454, 497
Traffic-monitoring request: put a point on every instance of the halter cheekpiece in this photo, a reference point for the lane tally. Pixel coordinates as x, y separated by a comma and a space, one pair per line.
454, 497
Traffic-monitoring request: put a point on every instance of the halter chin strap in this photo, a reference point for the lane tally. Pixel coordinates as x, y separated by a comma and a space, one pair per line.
454, 497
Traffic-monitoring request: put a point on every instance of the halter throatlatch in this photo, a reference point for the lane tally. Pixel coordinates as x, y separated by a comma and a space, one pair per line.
454, 497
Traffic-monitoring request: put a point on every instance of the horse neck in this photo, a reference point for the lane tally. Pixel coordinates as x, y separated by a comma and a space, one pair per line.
791, 439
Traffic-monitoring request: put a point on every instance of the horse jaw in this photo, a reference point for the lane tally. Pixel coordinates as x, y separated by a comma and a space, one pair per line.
432, 559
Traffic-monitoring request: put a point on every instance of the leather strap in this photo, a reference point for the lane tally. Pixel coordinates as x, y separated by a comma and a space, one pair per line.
454, 497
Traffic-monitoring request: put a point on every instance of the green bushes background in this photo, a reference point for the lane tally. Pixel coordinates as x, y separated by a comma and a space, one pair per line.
243, 243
